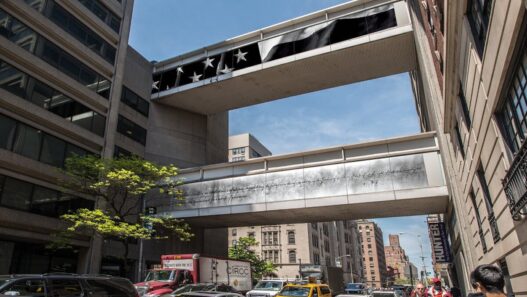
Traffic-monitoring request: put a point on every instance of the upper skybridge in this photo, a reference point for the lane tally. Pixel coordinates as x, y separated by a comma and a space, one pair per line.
352, 42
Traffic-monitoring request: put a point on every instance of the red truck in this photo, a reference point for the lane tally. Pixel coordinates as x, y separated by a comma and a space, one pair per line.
179, 270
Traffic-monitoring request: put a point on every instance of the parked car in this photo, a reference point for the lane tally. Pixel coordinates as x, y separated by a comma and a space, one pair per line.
267, 288
307, 290
195, 288
211, 294
70, 285
356, 289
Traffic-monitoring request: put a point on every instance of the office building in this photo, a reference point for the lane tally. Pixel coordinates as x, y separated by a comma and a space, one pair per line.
397, 259
373, 258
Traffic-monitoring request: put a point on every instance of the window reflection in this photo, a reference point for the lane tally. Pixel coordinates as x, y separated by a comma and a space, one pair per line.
28, 39
22, 85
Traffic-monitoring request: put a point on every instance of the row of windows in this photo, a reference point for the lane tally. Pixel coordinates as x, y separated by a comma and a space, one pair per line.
270, 238
78, 30
35, 144
131, 130
21, 195
271, 256
27, 38
44, 96
103, 13
238, 159
238, 151
119, 152
135, 101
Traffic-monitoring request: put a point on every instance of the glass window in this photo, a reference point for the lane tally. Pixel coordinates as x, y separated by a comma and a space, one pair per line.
7, 132
26, 287
40, 94
99, 124
292, 256
135, 101
131, 130
97, 8
44, 201
99, 287
12, 80
52, 150
73, 150
478, 12
291, 237
513, 114
65, 288
27, 141
16, 194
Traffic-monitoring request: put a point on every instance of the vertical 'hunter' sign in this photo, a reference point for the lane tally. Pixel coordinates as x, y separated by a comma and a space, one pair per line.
440, 246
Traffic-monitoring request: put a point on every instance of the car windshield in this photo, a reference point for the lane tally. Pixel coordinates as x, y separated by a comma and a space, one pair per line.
192, 288
354, 286
295, 291
159, 275
268, 286
4, 281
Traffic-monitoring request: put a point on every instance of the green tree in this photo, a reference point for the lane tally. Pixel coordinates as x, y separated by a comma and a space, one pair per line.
121, 185
242, 250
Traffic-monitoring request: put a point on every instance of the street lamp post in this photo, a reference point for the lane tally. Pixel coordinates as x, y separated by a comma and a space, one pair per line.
351, 265
422, 255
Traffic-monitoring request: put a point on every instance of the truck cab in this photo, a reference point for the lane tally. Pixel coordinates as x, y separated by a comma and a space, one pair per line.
164, 281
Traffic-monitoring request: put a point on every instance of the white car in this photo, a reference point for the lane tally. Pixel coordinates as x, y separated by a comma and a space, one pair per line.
267, 288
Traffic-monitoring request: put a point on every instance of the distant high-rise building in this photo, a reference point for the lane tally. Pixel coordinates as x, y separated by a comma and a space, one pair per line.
244, 147
374, 261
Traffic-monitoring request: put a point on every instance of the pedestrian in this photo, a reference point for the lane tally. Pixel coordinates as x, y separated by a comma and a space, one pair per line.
437, 289
419, 291
488, 280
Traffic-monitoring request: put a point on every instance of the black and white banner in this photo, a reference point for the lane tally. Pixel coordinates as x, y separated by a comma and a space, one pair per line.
440, 245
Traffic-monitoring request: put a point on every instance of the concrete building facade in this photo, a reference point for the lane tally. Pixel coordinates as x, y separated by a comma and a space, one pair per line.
478, 111
373, 257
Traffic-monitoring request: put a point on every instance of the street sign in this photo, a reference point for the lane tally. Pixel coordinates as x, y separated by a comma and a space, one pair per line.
150, 211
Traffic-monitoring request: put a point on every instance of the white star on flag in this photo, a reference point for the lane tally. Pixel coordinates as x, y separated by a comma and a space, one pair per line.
196, 77
240, 56
208, 62
226, 69
180, 69
155, 85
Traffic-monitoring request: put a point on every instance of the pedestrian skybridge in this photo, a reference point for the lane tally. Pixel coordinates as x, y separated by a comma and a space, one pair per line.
386, 178
351, 42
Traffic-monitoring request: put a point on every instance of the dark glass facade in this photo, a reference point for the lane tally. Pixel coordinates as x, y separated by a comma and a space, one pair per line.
24, 257
135, 101
131, 130
75, 28
103, 13
39, 93
31, 41
25, 196
35, 144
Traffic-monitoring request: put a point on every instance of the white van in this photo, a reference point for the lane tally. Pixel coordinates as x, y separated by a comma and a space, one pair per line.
267, 288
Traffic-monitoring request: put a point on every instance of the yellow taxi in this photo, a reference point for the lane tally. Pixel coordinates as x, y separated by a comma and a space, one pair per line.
307, 290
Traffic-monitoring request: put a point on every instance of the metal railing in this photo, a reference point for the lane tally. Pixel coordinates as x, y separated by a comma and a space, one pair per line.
515, 183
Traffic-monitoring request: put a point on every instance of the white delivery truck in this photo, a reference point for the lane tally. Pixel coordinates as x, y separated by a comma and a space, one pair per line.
182, 269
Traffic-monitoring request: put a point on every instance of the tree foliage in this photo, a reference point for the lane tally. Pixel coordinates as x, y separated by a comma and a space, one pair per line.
242, 250
121, 185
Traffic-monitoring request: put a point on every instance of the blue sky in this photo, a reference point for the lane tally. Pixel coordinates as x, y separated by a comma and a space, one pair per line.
359, 112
